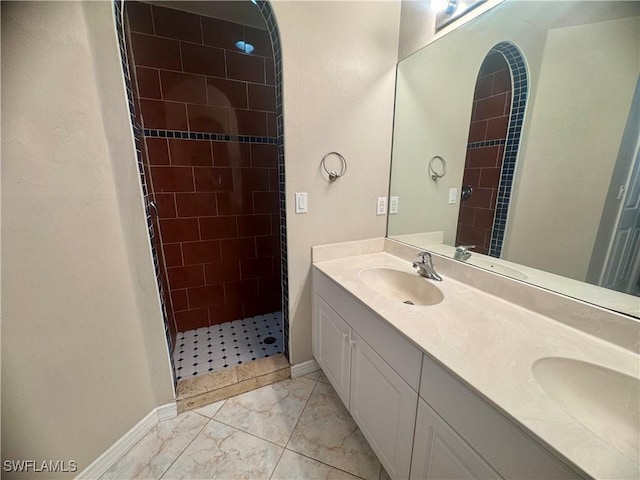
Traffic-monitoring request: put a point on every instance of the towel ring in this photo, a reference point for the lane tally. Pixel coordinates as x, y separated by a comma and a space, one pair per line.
333, 175
434, 174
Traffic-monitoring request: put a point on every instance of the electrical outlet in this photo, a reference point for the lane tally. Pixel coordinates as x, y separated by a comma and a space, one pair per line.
453, 195
381, 206
301, 202
393, 205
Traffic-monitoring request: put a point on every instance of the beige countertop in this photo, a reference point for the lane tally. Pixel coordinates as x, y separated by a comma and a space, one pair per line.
491, 344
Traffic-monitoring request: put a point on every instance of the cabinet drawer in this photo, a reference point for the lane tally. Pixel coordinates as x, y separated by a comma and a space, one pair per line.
507, 448
402, 355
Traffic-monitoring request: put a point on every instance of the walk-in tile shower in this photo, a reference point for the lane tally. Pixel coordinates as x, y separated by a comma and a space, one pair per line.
205, 106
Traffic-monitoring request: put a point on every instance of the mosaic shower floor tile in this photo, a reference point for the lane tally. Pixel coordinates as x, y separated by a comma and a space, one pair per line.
212, 348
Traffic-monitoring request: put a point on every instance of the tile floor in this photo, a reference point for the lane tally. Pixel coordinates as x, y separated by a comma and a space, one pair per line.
295, 429
208, 349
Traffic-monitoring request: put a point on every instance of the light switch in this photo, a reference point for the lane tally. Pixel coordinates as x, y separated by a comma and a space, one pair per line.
453, 195
381, 206
393, 205
301, 202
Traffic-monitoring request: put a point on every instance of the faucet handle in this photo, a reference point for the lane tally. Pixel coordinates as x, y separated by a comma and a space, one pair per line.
425, 257
464, 248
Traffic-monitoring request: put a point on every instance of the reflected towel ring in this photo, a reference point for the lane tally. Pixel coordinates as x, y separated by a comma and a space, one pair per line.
434, 174
333, 175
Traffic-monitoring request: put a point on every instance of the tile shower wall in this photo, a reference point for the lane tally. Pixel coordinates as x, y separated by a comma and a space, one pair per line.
152, 221
485, 152
209, 117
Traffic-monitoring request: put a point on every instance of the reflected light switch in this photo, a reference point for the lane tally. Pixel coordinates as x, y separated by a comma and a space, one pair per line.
301, 202
453, 195
393, 205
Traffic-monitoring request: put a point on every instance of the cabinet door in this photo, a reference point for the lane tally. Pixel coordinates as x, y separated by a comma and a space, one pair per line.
384, 407
331, 347
440, 453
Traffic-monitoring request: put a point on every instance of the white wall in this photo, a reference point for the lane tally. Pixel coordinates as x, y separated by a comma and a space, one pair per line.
565, 172
339, 66
83, 354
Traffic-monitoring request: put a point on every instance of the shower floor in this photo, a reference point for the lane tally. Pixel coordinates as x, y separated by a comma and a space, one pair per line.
212, 348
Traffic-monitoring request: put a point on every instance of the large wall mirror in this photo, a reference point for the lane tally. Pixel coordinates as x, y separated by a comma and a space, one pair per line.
519, 133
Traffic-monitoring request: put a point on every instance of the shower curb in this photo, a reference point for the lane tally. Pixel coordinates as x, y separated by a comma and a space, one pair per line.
222, 384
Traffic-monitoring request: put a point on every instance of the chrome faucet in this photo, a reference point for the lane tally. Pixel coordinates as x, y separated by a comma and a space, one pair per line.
461, 252
425, 267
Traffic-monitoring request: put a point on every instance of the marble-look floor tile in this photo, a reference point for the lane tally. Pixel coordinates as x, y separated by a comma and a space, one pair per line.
313, 375
155, 452
323, 378
326, 432
293, 466
211, 409
223, 452
269, 412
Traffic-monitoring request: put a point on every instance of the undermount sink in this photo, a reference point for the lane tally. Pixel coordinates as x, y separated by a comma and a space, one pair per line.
404, 287
498, 268
603, 400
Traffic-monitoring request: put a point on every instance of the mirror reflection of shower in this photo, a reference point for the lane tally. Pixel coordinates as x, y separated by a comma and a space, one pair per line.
499, 101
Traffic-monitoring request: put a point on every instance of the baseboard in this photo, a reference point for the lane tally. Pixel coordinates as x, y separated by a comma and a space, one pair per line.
168, 411
100, 465
304, 368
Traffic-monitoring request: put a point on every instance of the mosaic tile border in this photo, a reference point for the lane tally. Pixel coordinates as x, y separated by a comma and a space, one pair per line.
270, 21
216, 137
487, 143
520, 82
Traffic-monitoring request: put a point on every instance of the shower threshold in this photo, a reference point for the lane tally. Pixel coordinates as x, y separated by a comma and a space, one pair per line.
204, 389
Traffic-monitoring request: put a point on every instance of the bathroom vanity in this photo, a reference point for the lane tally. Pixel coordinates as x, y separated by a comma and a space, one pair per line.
446, 380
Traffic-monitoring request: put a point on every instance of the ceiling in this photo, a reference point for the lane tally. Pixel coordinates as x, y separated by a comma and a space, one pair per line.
576, 12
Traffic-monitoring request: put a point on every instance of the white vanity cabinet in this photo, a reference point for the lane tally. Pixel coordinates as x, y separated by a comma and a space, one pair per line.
446, 431
379, 398
484, 436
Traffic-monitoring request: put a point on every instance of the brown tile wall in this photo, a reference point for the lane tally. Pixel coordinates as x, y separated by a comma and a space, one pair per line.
143, 163
217, 201
489, 121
